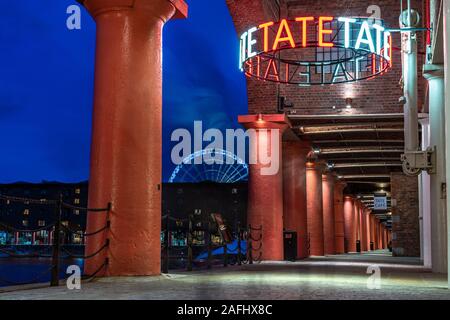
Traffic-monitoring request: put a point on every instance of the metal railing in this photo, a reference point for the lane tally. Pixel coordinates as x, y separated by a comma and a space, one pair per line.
59, 230
241, 254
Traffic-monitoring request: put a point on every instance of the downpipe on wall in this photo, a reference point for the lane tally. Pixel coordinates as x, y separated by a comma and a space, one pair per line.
414, 160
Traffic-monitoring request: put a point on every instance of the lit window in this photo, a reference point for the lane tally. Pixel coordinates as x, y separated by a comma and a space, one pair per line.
26, 212
76, 201
7, 202
65, 223
41, 223
25, 223
78, 191
76, 212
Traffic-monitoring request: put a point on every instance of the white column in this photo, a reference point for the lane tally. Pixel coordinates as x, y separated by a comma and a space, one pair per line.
446, 28
425, 203
434, 75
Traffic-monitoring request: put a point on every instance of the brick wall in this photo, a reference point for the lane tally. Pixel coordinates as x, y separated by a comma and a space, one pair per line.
378, 95
405, 215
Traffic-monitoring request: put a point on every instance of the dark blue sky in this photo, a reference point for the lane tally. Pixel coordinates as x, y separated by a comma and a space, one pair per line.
46, 85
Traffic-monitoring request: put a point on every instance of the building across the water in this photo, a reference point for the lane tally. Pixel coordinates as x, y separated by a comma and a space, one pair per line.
23, 215
179, 201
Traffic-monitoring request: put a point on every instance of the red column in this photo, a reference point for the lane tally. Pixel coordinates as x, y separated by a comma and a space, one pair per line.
368, 229
363, 228
126, 133
380, 235
265, 191
294, 192
356, 227
349, 223
339, 225
314, 207
16, 238
328, 181
372, 231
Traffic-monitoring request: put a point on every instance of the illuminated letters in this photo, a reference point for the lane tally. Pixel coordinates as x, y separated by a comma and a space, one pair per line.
367, 41
365, 30
284, 28
265, 27
304, 20
347, 22
251, 42
323, 32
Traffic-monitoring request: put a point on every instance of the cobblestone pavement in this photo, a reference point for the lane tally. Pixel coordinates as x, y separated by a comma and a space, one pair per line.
335, 277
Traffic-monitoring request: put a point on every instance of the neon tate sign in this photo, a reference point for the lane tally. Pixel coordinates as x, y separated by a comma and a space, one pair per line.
316, 51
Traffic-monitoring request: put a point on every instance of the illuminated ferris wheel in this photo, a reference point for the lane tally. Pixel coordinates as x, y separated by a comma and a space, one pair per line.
221, 171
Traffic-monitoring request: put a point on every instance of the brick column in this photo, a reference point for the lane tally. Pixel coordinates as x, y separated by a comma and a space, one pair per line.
125, 166
328, 181
339, 225
265, 189
294, 192
315, 207
349, 224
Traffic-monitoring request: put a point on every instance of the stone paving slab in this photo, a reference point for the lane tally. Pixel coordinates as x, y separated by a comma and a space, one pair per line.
321, 278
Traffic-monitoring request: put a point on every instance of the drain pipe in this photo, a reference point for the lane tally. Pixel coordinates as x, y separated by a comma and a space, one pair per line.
413, 160
409, 52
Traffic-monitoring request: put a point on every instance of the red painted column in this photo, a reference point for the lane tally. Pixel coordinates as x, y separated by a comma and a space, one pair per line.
356, 227
380, 235
294, 192
16, 238
125, 167
363, 228
265, 191
339, 220
375, 235
315, 207
328, 181
349, 222
372, 230
368, 229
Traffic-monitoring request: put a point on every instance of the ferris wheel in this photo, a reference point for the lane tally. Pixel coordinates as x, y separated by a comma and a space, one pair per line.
220, 171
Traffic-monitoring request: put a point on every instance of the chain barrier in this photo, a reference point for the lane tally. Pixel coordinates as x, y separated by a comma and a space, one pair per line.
58, 229
199, 233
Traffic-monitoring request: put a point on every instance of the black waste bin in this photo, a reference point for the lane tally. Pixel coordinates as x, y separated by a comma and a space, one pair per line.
371, 246
358, 246
290, 245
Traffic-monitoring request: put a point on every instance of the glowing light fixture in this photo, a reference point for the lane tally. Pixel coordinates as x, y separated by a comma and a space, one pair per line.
348, 103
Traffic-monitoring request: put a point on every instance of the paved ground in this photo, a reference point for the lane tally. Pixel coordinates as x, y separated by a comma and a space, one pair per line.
335, 277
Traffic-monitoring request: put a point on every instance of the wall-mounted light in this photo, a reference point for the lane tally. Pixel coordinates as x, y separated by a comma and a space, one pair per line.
348, 103
260, 117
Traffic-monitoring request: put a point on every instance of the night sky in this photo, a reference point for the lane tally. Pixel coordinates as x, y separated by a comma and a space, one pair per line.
46, 85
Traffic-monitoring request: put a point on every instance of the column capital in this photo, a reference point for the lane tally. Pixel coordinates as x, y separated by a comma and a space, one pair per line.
433, 71
328, 175
265, 121
315, 165
165, 9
